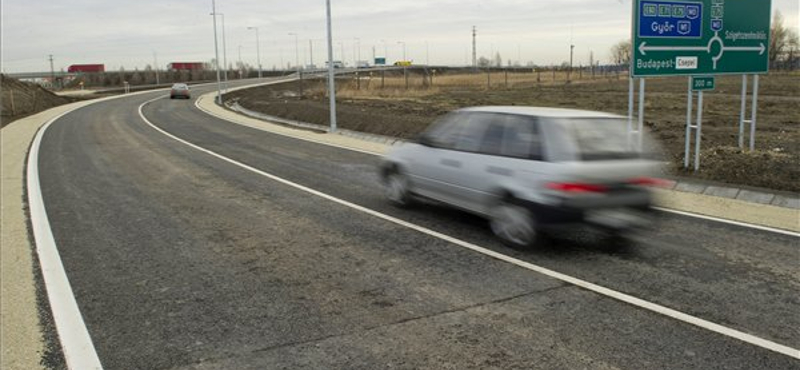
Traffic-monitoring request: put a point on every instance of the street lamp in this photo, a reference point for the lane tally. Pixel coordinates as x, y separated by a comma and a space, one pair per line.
385, 50
357, 51
331, 81
258, 50
224, 48
216, 52
404, 49
296, 51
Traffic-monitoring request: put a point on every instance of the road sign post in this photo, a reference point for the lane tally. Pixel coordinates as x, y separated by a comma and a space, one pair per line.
703, 83
702, 37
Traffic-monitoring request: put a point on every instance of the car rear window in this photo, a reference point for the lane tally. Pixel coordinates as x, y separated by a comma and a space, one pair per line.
600, 138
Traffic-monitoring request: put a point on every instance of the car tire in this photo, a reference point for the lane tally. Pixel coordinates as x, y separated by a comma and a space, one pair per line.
398, 189
513, 224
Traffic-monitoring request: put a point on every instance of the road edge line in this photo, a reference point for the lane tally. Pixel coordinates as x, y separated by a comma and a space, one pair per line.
619, 296
76, 343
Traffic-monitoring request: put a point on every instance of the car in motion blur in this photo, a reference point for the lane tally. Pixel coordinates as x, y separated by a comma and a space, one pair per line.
526, 169
179, 91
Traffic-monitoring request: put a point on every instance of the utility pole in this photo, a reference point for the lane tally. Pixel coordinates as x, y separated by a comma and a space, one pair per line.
474, 51
258, 50
310, 52
427, 54
52, 72
571, 48
155, 66
216, 51
296, 51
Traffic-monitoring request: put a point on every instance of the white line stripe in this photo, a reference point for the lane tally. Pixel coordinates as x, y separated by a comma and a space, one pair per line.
197, 104
742, 336
76, 343
731, 222
682, 213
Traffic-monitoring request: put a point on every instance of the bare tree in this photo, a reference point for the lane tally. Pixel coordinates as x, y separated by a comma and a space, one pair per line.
778, 38
483, 62
621, 52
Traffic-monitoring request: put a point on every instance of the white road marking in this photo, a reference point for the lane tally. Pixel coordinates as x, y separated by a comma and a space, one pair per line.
730, 222
626, 298
197, 105
76, 343
682, 213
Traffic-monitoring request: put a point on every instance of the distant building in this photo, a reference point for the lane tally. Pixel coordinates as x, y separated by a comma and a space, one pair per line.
86, 68
186, 66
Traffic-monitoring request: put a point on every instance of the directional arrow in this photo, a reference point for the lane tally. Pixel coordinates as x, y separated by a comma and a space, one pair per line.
760, 49
643, 49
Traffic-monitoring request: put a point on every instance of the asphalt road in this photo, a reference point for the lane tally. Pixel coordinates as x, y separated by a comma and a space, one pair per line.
180, 260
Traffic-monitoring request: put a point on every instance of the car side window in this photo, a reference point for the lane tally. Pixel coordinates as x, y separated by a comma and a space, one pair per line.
521, 139
444, 132
472, 128
512, 136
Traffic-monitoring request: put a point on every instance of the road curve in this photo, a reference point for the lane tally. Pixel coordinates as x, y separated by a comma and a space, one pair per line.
181, 260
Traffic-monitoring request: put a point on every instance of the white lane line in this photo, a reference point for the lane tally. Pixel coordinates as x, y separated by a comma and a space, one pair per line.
682, 213
321, 142
76, 343
730, 222
653, 307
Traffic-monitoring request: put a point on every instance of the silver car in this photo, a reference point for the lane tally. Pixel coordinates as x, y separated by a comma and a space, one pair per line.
526, 168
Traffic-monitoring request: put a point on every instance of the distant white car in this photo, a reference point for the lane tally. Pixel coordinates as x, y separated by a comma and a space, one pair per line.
180, 91
527, 168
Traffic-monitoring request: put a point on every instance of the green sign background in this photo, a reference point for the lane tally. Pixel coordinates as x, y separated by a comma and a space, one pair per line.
740, 47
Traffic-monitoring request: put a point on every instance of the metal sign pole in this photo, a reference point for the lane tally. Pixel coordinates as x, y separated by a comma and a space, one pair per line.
688, 125
743, 114
699, 129
641, 112
631, 87
753, 119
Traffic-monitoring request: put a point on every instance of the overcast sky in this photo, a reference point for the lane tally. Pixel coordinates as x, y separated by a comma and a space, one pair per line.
130, 33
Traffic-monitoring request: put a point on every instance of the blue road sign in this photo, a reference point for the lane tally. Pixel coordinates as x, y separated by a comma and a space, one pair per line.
670, 19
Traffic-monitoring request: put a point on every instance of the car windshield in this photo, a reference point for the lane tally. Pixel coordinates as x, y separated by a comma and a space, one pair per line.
600, 138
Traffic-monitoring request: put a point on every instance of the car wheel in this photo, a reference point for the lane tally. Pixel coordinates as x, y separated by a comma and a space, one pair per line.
514, 224
398, 189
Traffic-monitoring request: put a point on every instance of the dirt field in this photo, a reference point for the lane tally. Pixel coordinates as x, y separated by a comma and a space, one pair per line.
21, 99
382, 105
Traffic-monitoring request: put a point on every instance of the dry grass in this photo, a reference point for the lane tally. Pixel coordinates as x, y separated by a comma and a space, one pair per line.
419, 84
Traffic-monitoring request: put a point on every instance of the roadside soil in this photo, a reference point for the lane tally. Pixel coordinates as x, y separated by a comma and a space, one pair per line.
21, 99
362, 105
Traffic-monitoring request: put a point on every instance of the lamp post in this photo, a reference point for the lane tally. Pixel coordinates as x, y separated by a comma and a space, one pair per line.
404, 49
216, 52
311, 53
357, 50
224, 49
296, 51
258, 50
331, 86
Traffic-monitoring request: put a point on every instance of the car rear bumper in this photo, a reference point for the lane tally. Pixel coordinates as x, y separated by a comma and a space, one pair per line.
627, 211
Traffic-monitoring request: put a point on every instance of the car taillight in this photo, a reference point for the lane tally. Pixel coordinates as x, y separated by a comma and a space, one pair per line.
650, 181
576, 187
